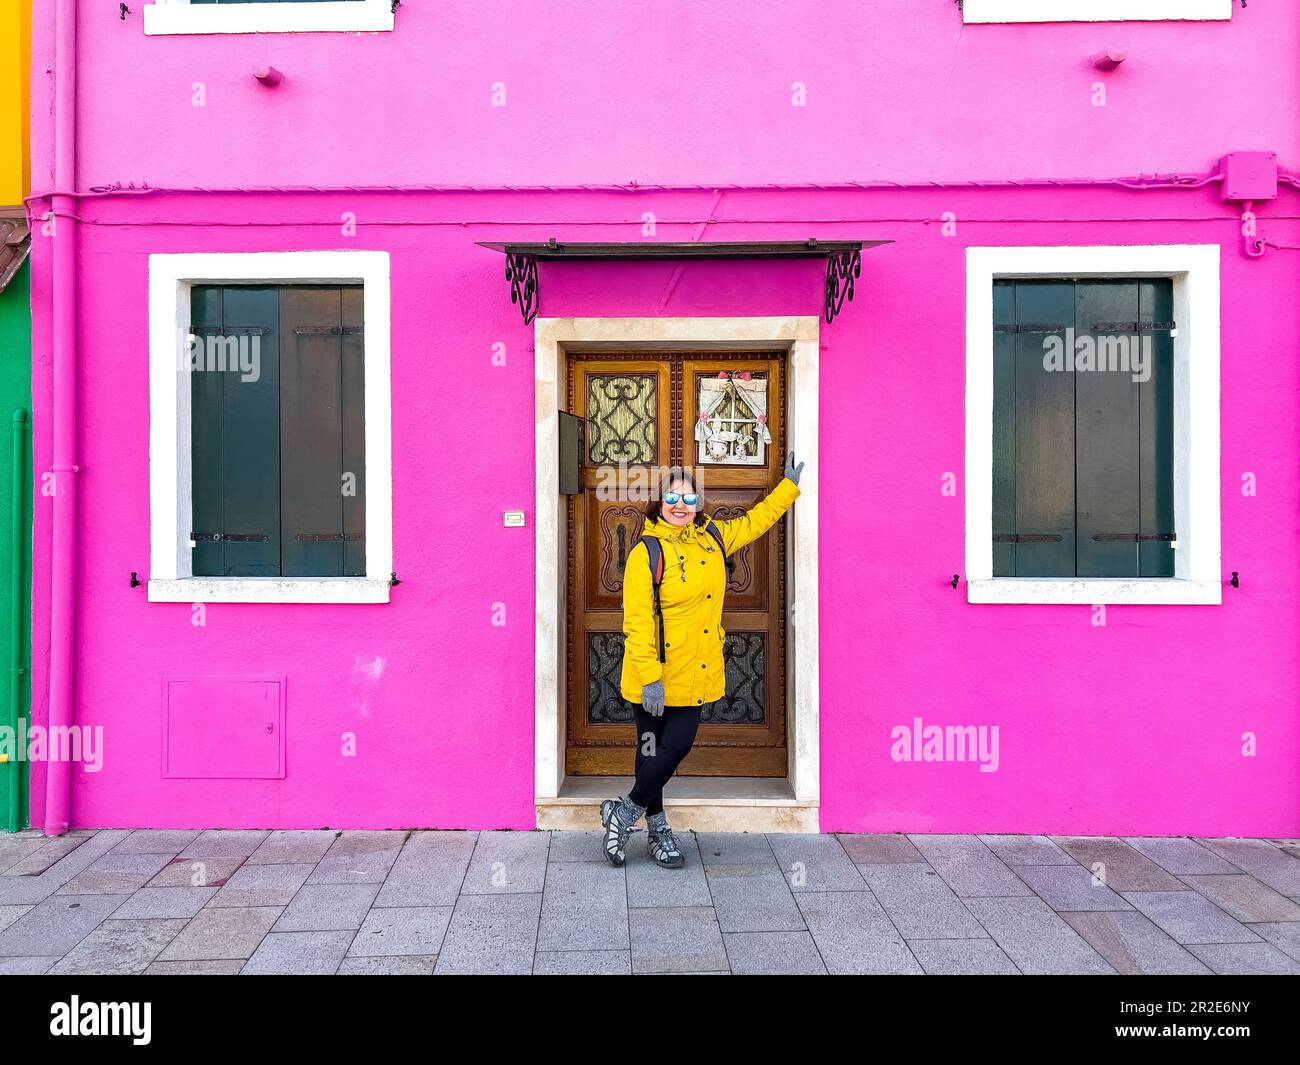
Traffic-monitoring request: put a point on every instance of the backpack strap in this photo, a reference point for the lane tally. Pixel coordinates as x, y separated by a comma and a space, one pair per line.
655, 551
716, 533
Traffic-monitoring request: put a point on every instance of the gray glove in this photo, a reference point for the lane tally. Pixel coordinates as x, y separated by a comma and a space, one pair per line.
652, 698
791, 470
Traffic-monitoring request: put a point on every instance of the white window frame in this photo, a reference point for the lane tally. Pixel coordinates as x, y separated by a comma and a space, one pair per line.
1194, 271
171, 506
163, 17
978, 11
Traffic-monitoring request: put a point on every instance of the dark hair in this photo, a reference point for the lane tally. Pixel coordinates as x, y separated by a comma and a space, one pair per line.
654, 508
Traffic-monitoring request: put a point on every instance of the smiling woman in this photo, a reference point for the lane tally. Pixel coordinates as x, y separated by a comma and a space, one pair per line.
673, 652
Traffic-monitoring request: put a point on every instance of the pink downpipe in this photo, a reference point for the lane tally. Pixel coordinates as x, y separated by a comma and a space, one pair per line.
63, 579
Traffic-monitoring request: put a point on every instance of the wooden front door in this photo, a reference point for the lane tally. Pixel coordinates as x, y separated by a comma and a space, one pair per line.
641, 412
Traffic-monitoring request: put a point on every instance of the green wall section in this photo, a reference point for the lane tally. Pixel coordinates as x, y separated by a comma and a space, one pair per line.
15, 392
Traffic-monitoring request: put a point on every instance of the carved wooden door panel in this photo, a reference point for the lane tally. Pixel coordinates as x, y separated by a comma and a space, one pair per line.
724, 415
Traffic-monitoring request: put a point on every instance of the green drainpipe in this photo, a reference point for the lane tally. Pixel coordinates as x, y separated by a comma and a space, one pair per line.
16, 619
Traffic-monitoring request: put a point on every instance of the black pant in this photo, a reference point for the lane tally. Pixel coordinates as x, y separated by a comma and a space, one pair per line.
661, 744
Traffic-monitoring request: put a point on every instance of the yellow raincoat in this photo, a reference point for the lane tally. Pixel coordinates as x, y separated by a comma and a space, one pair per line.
694, 583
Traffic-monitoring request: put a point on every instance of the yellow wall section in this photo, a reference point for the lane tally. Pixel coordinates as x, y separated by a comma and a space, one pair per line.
15, 89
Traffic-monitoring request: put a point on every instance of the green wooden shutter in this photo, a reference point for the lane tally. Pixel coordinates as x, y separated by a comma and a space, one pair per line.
1044, 453
207, 424
1004, 428
251, 449
322, 432
1106, 437
234, 432
1083, 455
1156, 436
353, 372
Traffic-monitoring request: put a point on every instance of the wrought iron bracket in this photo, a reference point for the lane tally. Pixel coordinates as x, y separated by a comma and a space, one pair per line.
842, 270
521, 272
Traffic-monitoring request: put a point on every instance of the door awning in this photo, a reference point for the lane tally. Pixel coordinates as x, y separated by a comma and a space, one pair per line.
15, 243
843, 261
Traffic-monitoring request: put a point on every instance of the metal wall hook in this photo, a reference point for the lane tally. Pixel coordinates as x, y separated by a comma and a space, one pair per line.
956, 577
1236, 580
393, 582
135, 579
123, 11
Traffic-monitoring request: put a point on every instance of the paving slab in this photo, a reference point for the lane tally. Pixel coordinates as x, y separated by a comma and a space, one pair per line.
195, 968
58, 924
1026, 850
327, 908
507, 862
1070, 888
393, 931
222, 933
878, 849
395, 966
650, 885
1244, 897
429, 871
583, 963
157, 841
301, 953
116, 874
9, 914
1190, 918
491, 934
120, 948
676, 939
815, 863
262, 885
27, 966
17, 848
160, 903
1180, 855
224, 843
196, 872
734, 848
293, 848
1035, 937
920, 904
1285, 935
962, 957
87, 850
969, 867
1117, 865
44, 855
754, 898
1268, 864
1133, 944
773, 954
1232, 959
854, 935
581, 846
359, 858
584, 907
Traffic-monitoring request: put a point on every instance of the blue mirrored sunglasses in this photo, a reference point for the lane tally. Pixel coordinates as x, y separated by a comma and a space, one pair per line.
690, 498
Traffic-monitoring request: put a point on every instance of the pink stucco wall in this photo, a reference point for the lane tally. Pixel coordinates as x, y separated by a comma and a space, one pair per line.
1131, 728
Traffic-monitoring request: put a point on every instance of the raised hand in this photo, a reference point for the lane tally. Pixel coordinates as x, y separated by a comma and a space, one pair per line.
791, 470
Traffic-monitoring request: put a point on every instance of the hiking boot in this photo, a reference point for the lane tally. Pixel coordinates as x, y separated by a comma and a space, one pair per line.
618, 816
664, 846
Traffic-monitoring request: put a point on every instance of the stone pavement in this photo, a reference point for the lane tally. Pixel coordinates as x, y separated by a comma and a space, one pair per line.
546, 902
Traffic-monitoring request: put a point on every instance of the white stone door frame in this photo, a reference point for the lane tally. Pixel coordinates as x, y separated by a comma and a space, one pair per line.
554, 338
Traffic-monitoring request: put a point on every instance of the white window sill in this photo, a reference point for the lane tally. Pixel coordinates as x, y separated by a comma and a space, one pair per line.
269, 590
977, 11
1158, 591
326, 16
